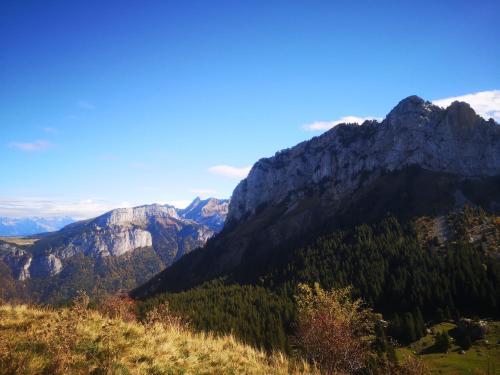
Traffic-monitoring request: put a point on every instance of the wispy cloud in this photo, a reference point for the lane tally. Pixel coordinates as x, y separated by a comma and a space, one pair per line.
85, 104
50, 130
326, 125
48, 207
38, 145
229, 171
485, 103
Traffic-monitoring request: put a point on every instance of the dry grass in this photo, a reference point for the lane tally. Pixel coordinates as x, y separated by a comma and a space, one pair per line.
36, 340
20, 241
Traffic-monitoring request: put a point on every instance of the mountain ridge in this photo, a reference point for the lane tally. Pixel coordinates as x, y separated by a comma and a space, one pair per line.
149, 237
426, 158
375, 146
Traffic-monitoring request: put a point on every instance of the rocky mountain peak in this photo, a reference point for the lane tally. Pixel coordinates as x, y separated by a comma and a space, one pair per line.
342, 160
461, 116
412, 111
211, 212
140, 214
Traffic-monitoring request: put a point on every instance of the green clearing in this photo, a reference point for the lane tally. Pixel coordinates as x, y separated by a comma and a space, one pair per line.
482, 358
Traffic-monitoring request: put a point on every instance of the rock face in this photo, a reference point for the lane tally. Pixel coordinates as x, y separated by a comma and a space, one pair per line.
17, 259
453, 140
211, 212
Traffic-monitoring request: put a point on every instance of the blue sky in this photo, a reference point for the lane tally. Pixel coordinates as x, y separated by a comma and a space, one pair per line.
106, 104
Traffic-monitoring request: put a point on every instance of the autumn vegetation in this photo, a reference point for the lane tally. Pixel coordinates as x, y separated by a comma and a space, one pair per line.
79, 340
335, 335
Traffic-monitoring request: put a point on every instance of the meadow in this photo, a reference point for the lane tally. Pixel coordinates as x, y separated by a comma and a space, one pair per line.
483, 357
35, 340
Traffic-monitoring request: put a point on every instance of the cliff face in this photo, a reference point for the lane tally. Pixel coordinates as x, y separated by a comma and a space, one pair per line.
453, 140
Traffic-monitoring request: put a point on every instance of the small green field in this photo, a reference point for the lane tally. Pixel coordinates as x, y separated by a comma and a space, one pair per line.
482, 358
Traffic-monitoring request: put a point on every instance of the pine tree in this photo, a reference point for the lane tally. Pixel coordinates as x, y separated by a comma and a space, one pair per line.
409, 328
442, 342
419, 324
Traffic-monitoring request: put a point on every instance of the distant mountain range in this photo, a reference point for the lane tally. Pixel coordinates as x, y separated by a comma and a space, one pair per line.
31, 225
114, 251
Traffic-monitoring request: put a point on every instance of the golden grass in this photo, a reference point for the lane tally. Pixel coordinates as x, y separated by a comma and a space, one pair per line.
20, 241
36, 340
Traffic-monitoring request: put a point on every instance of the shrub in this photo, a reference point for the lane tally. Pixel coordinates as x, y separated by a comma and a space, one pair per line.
118, 306
333, 330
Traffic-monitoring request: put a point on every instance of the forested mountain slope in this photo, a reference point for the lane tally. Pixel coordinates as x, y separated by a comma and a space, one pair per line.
420, 160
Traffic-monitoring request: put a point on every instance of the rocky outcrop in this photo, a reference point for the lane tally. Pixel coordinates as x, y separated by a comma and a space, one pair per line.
45, 266
17, 259
211, 212
113, 240
453, 140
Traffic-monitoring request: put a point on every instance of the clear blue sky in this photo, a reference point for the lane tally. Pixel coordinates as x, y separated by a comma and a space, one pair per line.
106, 103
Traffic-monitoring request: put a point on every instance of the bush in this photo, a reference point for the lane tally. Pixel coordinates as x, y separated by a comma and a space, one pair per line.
333, 330
118, 306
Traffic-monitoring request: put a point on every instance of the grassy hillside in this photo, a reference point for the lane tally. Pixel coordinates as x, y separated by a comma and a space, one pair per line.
80, 341
483, 357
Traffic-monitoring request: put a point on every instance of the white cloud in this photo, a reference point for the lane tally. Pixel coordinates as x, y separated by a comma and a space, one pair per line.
325, 125
85, 104
229, 171
485, 103
49, 207
38, 145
